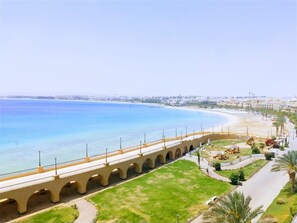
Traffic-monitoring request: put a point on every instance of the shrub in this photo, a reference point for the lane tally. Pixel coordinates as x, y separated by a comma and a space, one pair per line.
217, 166
273, 137
256, 151
234, 178
286, 144
281, 201
268, 156
282, 148
241, 175
261, 145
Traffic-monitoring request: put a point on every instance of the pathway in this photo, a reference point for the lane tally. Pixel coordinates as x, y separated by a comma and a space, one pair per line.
87, 211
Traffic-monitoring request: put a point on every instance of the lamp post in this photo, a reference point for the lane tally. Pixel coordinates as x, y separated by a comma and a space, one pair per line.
106, 155
56, 169
120, 143
140, 147
39, 159
87, 150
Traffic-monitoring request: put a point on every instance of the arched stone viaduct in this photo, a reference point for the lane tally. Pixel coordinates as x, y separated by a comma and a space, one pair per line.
55, 184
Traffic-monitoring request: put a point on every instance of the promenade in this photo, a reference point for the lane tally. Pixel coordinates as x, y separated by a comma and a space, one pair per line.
21, 189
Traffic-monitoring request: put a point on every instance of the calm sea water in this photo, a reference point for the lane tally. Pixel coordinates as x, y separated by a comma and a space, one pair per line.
62, 128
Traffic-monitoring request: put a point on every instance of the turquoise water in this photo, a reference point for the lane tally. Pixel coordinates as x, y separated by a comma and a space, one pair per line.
62, 128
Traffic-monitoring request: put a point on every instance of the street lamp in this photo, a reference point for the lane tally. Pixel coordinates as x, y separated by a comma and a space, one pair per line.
87, 150
120, 142
140, 146
56, 169
106, 155
144, 138
39, 159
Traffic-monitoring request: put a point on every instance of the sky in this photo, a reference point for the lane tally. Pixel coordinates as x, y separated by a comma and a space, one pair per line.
149, 48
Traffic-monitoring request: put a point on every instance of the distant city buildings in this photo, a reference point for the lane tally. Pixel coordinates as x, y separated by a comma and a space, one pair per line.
251, 101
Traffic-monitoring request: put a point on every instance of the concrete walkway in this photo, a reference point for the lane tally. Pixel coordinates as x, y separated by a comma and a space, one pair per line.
87, 211
241, 164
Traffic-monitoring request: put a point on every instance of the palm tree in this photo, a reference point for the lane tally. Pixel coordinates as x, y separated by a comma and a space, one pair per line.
287, 162
281, 121
234, 209
276, 124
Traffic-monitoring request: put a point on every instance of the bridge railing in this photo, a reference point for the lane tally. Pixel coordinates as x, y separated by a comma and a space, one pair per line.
49, 167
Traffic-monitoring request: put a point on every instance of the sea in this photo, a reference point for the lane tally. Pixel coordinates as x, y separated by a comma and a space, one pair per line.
63, 129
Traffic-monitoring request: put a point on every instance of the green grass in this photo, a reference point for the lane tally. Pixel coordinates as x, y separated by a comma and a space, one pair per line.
281, 212
179, 188
248, 170
55, 215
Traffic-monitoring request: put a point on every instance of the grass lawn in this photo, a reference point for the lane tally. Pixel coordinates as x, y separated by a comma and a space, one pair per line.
248, 170
179, 188
281, 212
55, 215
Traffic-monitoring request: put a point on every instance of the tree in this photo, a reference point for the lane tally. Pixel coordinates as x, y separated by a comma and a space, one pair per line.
281, 121
234, 178
287, 162
235, 208
276, 124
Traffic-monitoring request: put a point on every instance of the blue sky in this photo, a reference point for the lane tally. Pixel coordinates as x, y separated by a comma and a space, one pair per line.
149, 47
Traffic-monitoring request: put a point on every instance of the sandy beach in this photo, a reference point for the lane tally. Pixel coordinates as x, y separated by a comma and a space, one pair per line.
239, 121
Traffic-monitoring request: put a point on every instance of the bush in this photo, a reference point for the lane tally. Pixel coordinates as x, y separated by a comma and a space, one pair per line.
234, 178
241, 175
286, 144
256, 151
282, 148
273, 137
217, 166
281, 201
261, 145
268, 156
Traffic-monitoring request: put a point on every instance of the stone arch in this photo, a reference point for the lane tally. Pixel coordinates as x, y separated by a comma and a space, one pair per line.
178, 153
10, 206
36, 200
72, 188
191, 148
95, 181
148, 163
136, 167
185, 150
170, 155
160, 159
116, 175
